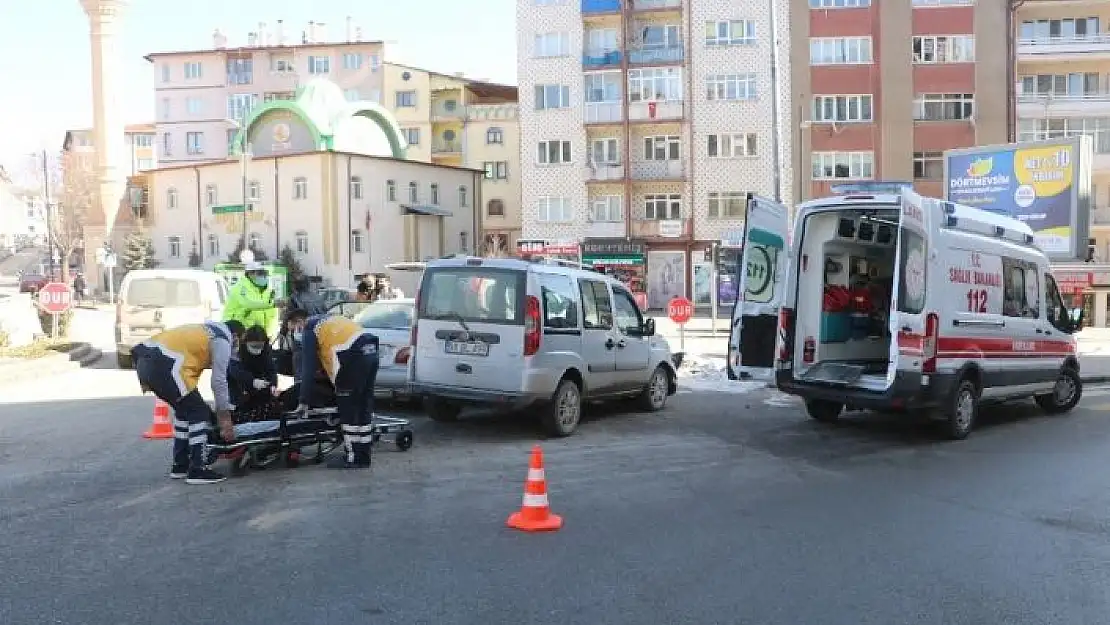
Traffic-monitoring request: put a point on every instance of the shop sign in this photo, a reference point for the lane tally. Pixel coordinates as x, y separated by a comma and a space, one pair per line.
613, 252
670, 228
732, 238
541, 247
1073, 281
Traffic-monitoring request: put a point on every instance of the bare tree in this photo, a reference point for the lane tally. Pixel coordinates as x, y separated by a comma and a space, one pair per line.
74, 198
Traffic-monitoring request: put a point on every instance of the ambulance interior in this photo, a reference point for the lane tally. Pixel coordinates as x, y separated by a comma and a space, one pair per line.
845, 282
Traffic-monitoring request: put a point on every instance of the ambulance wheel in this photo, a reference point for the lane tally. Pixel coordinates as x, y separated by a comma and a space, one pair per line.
404, 441
1066, 394
823, 410
962, 410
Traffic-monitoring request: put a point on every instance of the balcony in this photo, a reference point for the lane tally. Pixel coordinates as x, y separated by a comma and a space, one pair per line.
656, 5
662, 228
656, 111
646, 171
604, 229
1037, 105
655, 56
604, 172
603, 113
599, 59
1075, 48
441, 147
598, 7
448, 111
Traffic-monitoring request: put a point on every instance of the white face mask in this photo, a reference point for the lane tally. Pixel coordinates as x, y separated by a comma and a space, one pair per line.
298, 335
254, 350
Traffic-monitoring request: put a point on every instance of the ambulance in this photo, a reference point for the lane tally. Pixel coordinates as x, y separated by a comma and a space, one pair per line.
899, 303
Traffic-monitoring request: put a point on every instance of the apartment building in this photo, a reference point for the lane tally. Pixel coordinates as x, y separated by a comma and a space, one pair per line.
644, 124
882, 89
139, 140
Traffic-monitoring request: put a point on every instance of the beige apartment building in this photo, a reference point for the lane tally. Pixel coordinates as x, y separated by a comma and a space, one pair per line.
139, 140
202, 97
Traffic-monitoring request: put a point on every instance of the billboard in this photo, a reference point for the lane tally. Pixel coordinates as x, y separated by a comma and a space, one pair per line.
1046, 184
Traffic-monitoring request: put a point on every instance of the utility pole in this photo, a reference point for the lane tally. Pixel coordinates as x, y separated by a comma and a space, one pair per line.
47, 213
775, 130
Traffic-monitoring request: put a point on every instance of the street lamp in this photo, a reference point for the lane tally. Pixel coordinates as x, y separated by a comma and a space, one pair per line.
244, 154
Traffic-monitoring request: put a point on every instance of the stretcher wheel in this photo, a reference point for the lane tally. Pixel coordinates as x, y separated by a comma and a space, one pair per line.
292, 459
404, 441
239, 465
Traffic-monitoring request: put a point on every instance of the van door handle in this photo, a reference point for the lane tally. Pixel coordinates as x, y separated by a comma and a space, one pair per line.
610, 344
621, 344
1040, 331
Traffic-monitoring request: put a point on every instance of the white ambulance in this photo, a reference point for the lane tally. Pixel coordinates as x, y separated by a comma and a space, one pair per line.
896, 302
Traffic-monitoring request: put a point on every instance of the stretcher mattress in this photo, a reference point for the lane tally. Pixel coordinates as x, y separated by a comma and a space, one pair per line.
258, 430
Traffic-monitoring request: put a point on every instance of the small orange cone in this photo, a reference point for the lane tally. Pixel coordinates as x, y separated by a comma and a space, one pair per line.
161, 428
535, 514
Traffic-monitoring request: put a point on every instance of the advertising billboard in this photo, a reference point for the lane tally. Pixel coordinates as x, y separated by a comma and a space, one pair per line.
1046, 184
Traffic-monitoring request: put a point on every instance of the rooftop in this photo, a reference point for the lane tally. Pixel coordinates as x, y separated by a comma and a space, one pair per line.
262, 48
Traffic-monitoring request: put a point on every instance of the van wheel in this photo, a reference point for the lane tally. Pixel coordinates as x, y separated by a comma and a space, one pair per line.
439, 410
654, 396
823, 410
1068, 391
123, 361
560, 417
962, 410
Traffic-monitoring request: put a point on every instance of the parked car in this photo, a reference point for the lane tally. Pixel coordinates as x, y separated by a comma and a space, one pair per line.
391, 322
32, 282
151, 300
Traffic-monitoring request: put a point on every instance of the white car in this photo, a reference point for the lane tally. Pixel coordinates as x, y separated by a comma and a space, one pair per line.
391, 321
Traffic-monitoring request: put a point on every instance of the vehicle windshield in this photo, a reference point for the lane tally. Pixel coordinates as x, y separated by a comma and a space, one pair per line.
479, 294
163, 292
383, 315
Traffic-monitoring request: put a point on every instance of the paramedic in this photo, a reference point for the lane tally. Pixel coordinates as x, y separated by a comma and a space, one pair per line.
251, 301
349, 356
170, 364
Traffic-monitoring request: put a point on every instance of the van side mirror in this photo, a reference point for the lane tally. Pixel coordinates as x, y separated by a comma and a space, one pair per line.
1076, 318
648, 327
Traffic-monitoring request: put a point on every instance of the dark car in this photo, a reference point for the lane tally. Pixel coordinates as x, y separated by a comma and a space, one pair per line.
31, 282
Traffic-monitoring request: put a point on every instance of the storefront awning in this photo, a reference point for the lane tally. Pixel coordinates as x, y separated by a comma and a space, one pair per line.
422, 209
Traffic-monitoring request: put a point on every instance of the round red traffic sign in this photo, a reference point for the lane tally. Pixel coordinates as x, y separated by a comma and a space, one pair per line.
680, 310
55, 298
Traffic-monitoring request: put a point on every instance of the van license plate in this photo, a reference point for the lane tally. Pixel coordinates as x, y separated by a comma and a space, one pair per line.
466, 349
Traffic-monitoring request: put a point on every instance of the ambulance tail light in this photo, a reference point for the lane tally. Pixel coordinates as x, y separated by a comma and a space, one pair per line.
929, 345
786, 333
402, 356
533, 326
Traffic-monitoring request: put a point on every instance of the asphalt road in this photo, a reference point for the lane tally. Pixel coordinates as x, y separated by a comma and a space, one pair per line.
723, 509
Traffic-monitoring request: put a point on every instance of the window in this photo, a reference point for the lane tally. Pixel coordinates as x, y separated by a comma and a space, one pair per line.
412, 135
560, 306
495, 135
434, 192
659, 84
194, 142
192, 70
600, 42
662, 148
358, 242
944, 49
731, 87
553, 209
464, 196
300, 188
729, 33
302, 242
731, 145
282, 65
165, 73
839, 50
838, 4
1098, 128
912, 272
352, 60
603, 87
165, 108
626, 313
603, 152
351, 95
213, 245
193, 106
474, 294
597, 307
842, 108
1074, 84
1067, 28
1021, 290
405, 99
167, 144
928, 165
606, 208
175, 247
143, 141
843, 165
944, 106
319, 64
254, 191
240, 105
144, 164
942, 3
553, 152
211, 195
552, 97
496, 170
727, 204
356, 188
551, 44
390, 191
495, 208
240, 71
279, 95
414, 192
1057, 312
171, 199
663, 206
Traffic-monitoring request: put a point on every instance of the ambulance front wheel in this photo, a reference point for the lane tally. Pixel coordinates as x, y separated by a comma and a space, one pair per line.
1065, 395
823, 410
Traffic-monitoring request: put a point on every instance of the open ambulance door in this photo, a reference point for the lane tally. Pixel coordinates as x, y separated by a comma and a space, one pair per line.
754, 327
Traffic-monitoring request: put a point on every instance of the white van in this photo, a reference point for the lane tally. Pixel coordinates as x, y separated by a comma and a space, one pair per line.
152, 300
897, 302
517, 334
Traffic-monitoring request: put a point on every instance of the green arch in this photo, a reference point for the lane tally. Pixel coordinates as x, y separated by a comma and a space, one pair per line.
375, 113
397, 145
289, 106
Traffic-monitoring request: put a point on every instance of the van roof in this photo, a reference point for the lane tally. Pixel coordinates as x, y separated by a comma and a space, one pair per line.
170, 272
960, 211
540, 265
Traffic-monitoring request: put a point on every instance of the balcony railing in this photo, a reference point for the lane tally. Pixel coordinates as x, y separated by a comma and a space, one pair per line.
655, 5
601, 172
1039, 105
446, 147
662, 228
648, 56
590, 7
601, 58
1095, 45
655, 111
441, 112
603, 112
658, 170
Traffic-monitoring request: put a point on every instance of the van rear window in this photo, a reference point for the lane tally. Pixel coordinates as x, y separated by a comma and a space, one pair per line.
479, 294
163, 292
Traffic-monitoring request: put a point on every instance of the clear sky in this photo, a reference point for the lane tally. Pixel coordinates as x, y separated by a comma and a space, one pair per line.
45, 61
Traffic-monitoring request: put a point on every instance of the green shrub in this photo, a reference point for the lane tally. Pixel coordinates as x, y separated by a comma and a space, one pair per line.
63, 322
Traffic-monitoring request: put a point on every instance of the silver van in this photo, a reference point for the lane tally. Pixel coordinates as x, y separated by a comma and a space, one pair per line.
520, 334
152, 300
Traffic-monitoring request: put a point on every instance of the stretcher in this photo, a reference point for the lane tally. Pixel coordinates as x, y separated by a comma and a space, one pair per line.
295, 438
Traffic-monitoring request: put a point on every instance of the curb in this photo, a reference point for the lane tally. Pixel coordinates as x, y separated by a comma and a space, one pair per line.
82, 355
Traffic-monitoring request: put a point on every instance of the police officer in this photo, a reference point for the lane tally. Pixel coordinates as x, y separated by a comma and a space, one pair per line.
169, 365
349, 355
251, 300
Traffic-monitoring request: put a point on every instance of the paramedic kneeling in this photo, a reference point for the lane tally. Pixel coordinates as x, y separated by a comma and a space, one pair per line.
169, 365
349, 355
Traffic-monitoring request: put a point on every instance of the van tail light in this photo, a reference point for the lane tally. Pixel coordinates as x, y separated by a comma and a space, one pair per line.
533, 326
786, 333
402, 357
929, 345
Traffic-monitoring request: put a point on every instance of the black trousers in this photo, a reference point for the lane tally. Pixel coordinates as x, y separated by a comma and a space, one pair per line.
354, 396
156, 372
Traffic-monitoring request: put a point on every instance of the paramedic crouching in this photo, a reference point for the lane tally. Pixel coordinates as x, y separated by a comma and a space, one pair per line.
349, 356
169, 365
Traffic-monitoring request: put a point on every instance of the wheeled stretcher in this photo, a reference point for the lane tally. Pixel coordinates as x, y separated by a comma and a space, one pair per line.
294, 438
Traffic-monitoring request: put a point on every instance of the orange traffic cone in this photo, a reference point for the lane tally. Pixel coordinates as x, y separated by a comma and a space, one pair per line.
161, 428
535, 515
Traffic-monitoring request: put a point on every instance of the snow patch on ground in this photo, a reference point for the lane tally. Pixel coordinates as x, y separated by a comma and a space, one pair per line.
702, 373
